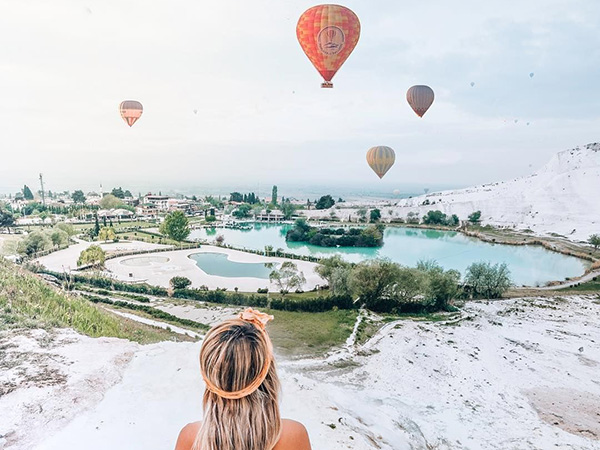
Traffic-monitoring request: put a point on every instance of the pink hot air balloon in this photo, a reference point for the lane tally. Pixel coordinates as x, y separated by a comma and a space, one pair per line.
131, 111
420, 99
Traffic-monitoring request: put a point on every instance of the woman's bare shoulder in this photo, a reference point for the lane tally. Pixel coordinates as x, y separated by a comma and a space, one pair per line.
187, 436
293, 436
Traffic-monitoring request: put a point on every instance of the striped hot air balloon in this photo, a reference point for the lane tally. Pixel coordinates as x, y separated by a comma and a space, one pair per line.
420, 98
131, 111
381, 159
328, 34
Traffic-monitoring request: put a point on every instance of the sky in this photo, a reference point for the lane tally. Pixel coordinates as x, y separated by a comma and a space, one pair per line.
262, 117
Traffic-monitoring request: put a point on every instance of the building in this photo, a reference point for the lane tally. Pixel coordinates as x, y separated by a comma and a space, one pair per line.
270, 216
160, 202
118, 214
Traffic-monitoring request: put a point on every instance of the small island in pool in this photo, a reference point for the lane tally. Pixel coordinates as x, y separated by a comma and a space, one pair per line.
370, 236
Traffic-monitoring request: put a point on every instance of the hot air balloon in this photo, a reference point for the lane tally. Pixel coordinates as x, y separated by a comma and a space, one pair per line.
531, 75
472, 83
328, 34
420, 99
131, 111
381, 159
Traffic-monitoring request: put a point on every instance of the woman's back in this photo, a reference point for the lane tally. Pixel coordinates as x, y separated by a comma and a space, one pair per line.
293, 436
241, 398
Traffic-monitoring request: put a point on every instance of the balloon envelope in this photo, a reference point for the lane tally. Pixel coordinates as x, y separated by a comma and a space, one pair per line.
420, 99
131, 111
328, 34
531, 75
472, 83
381, 159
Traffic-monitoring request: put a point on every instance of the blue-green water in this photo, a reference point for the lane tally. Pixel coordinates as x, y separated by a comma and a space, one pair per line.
218, 264
529, 265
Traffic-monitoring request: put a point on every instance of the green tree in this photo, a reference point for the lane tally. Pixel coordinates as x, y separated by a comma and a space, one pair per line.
375, 215
325, 202
127, 194
593, 240
78, 197
118, 192
242, 211
287, 277
435, 218
7, 219
180, 282
274, 195
373, 282
67, 228
475, 217
96, 229
408, 288
485, 280
58, 237
109, 201
268, 250
454, 220
287, 209
176, 225
107, 234
27, 194
33, 243
236, 197
93, 255
442, 286
337, 273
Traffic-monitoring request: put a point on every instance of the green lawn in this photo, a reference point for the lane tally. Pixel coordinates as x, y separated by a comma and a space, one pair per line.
590, 286
8, 243
300, 333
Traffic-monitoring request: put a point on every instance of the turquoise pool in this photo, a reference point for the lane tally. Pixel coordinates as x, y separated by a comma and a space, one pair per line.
218, 264
529, 265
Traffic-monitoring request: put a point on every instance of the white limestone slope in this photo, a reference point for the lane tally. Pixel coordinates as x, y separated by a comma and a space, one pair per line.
561, 197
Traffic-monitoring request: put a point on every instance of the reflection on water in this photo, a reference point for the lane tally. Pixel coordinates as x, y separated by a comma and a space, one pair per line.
530, 265
219, 264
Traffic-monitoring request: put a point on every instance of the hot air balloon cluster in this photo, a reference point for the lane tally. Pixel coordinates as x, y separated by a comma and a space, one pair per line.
328, 34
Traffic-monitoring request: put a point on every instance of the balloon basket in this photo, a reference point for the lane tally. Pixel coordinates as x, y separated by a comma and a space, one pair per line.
327, 84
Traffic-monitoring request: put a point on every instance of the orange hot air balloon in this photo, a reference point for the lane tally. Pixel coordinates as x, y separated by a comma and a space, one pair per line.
328, 34
131, 111
420, 99
381, 159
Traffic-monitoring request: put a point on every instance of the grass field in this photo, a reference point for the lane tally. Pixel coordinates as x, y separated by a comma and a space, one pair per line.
8, 243
590, 286
299, 333
27, 302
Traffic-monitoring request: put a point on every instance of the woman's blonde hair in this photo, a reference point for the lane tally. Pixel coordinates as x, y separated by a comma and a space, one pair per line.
241, 412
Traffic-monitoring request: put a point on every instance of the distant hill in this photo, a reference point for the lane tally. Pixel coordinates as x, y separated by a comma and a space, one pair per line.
562, 197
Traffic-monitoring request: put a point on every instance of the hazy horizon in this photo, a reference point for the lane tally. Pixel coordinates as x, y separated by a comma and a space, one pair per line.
262, 117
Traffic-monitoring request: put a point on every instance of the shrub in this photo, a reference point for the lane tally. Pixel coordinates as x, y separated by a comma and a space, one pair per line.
485, 280
180, 282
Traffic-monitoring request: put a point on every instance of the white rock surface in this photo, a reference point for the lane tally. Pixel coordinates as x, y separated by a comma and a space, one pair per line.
513, 374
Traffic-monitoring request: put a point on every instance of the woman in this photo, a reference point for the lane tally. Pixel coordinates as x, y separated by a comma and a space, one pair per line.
241, 399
